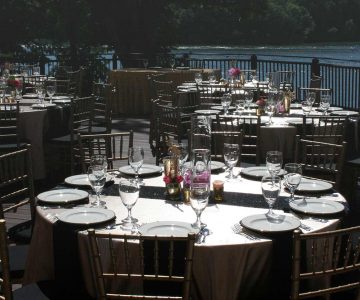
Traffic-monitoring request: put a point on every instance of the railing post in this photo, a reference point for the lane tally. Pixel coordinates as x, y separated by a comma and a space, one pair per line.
315, 67
253, 62
114, 61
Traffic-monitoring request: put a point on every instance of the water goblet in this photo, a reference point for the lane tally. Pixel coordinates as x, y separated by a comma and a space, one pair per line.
270, 109
183, 155
97, 179
212, 79
198, 78
199, 199
239, 104
271, 186
172, 63
99, 160
136, 159
274, 160
310, 96
231, 157
325, 103
39, 88
146, 63
225, 102
306, 107
249, 95
19, 88
292, 177
129, 194
51, 90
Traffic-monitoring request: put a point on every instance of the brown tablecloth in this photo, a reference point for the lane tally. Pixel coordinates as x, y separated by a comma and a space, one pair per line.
132, 88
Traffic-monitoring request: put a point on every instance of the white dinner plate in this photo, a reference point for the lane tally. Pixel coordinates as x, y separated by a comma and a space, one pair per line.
207, 111
296, 121
82, 180
86, 215
146, 169
344, 113
219, 107
313, 185
258, 172
316, 206
295, 105
30, 96
43, 106
62, 101
60, 98
330, 109
167, 228
215, 165
261, 223
62, 196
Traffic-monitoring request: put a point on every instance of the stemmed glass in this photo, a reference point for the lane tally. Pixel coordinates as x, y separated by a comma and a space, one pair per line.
325, 103
136, 159
249, 95
172, 63
231, 157
51, 90
239, 104
212, 79
199, 199
271, 186
129, 194
97, 179
146, 63
99, 160
225, 102
274, 160
292, 177
198, 78
310, 96
183, 155
39, 88
306, 107
270, 109
19, 89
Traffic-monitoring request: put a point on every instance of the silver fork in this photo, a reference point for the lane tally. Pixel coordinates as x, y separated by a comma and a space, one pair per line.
238, 229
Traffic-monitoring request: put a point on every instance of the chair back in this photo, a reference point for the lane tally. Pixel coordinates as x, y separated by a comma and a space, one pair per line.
62, 86
321, 160
286, 80
5, 280
16, 181
164, 91
114, 146
162, 264
218, 138
30, 82
75, 79
328, 129
250, 128
9, 124
210, 94
102, 115
326, 263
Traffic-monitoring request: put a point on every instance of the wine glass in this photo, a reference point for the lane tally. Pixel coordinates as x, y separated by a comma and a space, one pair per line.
39, 88
292, 177
172, 63
19, 88
212, 79
249, 95
225, 102
198, 78
231, 157
136, 159
239, 104
146, 63
274, 160
271, 186
99, 160
97, 179
183, 155
270, 109
325, 103
129, 194
51, 90
306, 107
199, 199
310, 96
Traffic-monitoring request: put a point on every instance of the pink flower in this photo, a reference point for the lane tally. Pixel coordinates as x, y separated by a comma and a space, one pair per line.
167, 179
260, 102
234, 71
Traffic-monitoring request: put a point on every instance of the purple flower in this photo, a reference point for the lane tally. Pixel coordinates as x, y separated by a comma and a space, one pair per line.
234, 71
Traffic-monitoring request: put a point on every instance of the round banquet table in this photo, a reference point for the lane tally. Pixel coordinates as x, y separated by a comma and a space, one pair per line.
36, 125
226, 266
132, 87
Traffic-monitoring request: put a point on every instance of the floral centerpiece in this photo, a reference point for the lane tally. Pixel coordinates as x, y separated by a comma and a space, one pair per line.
261, 106
13, 82
234, 72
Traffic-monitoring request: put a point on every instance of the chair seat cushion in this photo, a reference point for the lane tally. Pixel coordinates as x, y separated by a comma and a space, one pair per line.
27, 292
21, 233
11, 146
65, 139
17, 260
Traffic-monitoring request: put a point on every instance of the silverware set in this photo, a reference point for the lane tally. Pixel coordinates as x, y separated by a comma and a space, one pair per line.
238, 229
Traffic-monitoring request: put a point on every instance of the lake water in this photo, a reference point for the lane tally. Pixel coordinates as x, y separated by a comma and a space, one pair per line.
342, 54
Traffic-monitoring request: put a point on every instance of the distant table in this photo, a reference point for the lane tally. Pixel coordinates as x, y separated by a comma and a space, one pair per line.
132, 87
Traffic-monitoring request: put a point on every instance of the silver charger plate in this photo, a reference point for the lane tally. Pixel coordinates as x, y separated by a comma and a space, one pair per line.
344, 113
219, 107
316, 206
62, 196
214, 165
86, 215
261, 223
146, 169
330, 109
82, 180
167, 228
296, 121
313, 185
258, 172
